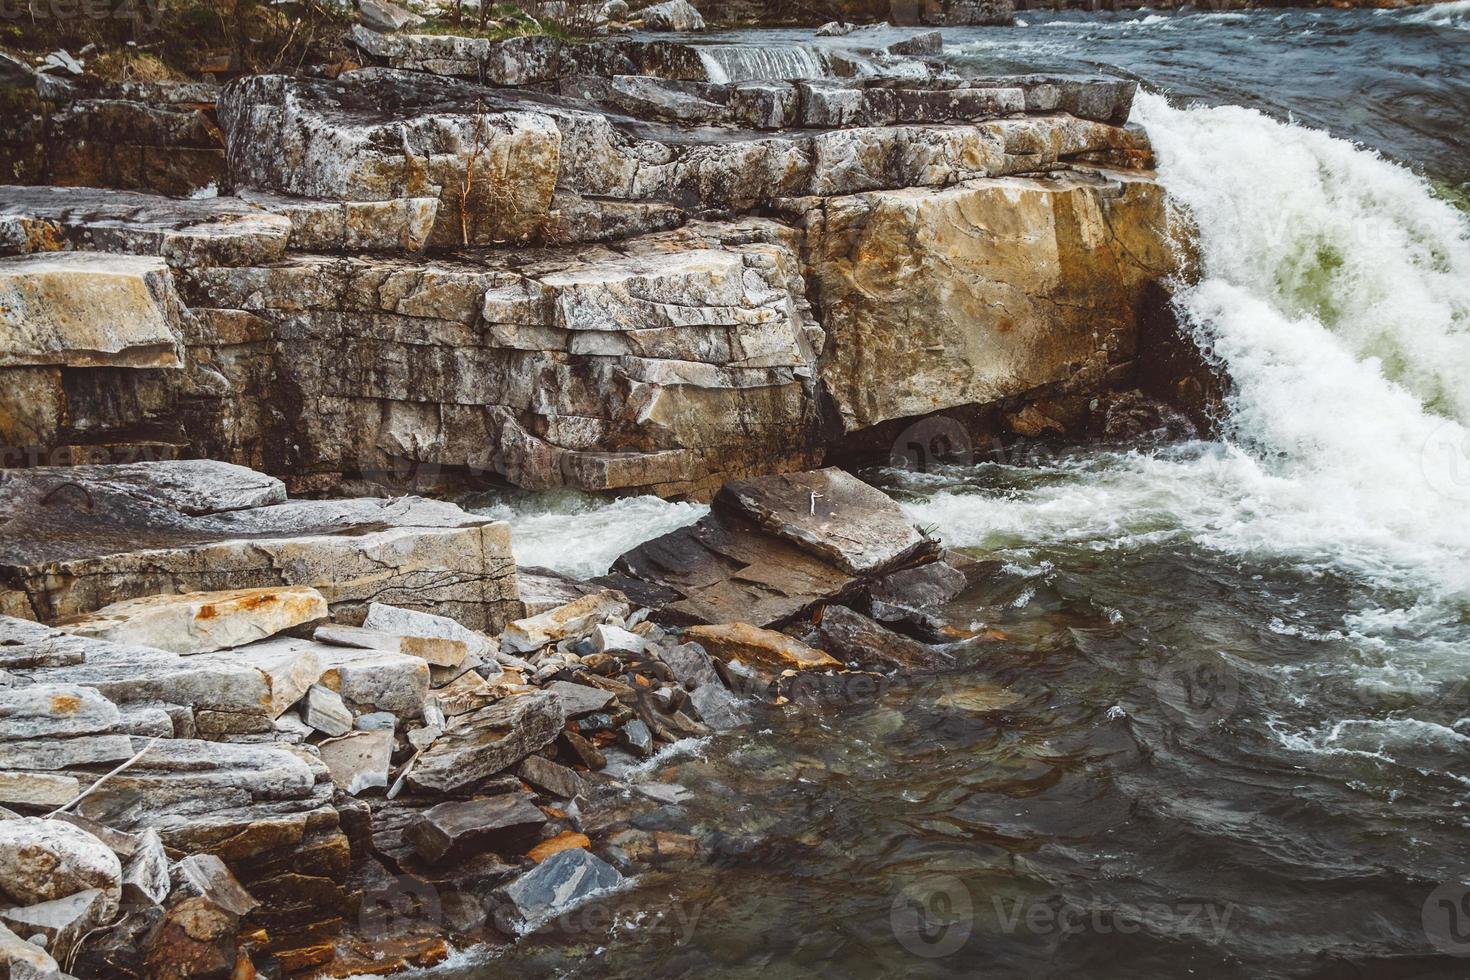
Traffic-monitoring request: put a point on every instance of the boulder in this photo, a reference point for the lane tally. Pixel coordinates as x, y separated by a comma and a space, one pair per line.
414, 623
44, 860
506, 824
758, 647
999, 271
555, 886
691, 666
196, 938
543, 589
672, 15
718, 708
432, 650
201, 622
366, 680
382, 15
479, 744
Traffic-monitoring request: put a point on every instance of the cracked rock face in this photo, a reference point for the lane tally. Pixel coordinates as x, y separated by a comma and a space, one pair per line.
627, 265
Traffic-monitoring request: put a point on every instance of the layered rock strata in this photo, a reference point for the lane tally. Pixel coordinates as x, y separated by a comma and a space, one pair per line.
623, 265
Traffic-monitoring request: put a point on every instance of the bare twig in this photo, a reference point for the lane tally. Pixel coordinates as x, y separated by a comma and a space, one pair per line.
91, 789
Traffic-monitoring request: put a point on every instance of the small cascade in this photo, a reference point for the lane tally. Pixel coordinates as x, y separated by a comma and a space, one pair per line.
749, 62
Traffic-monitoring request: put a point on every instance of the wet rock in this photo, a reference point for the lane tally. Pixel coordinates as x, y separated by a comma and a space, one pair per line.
486, 741
44, 860
207, 877
718, 708
759, 647
358, 760
505, 824
672, 15
636, 738
831, 514
61, 922
202, 622
691, 665
323, 710
547, 775
571, 620
553, 887
579, 699
582, 752
856, 638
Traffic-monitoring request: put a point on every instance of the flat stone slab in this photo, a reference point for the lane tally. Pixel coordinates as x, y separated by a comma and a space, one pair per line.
182, 232
77, 540
81, 309
831, 514
556, 885
506, 824
759, 647
201, 622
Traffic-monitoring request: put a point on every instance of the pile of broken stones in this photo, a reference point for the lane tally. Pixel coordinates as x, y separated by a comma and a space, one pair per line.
237, 782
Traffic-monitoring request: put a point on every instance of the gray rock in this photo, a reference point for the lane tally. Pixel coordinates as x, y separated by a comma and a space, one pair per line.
381, 15
413, 623
718, 708
378, 721
482, 743
692, 667
61, 922
23, 961
856, 638
44, 860
616, 641
506, 824
322, 709
54, 710
672, 15
831, 514
635, 736
146, 876
579, 699
37, 789
574, 619
64, 753
556, 779
202, 622
555, 886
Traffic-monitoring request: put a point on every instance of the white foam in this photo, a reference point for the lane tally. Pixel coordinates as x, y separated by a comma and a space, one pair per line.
581, 535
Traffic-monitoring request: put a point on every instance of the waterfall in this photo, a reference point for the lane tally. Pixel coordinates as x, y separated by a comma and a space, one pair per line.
749, 62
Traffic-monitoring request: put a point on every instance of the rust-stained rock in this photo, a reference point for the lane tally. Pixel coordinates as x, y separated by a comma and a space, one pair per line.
201, 622
758, 647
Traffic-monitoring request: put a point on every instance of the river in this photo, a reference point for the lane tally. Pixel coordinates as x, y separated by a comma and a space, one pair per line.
1229, 732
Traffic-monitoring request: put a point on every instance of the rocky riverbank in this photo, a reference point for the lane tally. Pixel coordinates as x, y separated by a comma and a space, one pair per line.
238, 722
210, 783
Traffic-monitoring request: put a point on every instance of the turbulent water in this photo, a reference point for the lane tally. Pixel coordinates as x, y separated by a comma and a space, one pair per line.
1229, 732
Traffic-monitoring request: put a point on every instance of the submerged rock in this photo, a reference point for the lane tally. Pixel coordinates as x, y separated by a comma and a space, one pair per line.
556, 885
